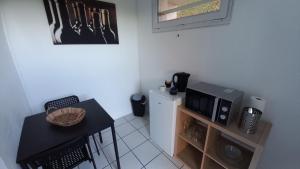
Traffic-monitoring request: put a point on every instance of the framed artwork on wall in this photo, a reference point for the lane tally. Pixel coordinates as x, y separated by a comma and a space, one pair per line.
82, 22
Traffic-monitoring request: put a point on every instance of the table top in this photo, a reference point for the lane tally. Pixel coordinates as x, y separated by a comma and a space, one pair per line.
38, 135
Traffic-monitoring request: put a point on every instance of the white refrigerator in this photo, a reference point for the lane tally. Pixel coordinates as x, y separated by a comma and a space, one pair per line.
163, 118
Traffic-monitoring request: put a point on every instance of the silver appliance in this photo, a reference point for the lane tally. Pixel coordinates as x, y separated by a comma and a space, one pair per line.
218, 103
250, 119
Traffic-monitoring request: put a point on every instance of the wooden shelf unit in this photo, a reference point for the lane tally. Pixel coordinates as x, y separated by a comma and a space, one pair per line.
199, 147
204, 155
191, 156
211, 164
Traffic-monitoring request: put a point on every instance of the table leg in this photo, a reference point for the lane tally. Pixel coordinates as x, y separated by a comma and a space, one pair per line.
100, 136
24, 165
91, 153
115, 145
96, 144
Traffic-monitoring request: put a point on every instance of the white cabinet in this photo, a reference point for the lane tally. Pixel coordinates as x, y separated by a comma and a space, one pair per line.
163, 118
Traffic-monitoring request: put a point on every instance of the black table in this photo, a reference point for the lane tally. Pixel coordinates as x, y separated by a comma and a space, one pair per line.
38, 136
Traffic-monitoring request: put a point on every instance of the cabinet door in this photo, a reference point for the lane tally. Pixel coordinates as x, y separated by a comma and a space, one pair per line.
161, 119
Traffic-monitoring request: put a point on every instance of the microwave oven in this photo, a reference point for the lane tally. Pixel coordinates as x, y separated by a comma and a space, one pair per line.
218, 103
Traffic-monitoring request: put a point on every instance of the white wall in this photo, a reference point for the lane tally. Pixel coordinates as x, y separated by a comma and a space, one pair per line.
258, 53
109, 73
2, 164
13, 105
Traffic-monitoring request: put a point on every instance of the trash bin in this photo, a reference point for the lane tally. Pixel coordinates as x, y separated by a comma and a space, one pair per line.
138, 103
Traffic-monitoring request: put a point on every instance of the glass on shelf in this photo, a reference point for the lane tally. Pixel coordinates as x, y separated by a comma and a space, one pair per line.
198, 134
186, 125
194, 131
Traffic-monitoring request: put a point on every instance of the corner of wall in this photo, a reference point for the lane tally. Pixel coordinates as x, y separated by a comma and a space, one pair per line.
16, 65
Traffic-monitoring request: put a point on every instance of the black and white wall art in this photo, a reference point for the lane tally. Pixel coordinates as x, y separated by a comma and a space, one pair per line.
82, 22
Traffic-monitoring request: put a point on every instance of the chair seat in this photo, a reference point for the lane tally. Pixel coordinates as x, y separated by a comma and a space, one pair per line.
66, 156
70, 160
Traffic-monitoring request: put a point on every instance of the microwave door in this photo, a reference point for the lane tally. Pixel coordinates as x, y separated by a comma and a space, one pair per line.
196, 104
203, 106
207, 105
210, 106
193, 102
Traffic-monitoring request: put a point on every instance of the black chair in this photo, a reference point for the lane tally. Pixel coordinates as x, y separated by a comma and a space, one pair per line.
66, 156
65, 102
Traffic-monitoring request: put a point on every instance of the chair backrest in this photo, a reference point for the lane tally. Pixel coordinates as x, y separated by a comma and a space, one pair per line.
66, 156
63, 102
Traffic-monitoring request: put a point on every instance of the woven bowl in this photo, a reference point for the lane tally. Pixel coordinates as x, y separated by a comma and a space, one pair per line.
66, 117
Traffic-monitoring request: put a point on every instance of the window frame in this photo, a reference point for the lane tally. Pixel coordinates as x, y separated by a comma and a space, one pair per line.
210, 19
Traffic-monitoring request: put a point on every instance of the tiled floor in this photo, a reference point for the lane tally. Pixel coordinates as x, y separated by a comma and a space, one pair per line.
136, 149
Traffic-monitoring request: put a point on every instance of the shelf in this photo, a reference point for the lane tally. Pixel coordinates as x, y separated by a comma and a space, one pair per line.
213, 154
210, 164
198, 146
191, 157
209, 153
194, 126
254, 140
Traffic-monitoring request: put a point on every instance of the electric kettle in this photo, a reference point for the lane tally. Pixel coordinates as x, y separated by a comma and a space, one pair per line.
180, 81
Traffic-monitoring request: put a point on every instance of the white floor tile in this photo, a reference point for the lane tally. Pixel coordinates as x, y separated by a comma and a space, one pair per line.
145, 131
125, 129
100, 161
161, 162
92, 143
86, 165
143, 152
146, 152
106, 130
157, 146
107, 138
185, 167
128, 161
178, 163
109, 151
139, 122
107, 167
134, 139
130, 117
120, 121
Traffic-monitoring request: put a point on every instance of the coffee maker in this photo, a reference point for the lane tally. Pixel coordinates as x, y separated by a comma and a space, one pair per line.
180, 81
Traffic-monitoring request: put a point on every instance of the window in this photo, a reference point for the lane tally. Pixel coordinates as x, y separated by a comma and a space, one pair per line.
170, 15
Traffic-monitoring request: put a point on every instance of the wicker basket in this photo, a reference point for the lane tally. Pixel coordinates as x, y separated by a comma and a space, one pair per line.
66, 117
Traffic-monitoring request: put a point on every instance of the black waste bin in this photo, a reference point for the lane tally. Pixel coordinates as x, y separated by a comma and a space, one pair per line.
138, 103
